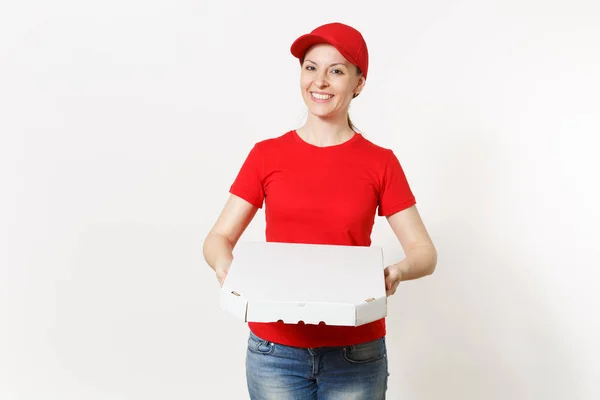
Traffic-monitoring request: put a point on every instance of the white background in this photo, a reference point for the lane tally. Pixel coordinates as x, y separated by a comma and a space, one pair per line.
124, 122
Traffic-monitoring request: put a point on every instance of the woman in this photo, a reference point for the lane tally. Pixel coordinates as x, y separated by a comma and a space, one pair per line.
323, 184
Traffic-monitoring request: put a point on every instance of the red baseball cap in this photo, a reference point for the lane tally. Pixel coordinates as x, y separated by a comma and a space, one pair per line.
347, 40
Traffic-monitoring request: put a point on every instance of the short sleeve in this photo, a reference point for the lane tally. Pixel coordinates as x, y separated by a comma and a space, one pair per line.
395, 193
248, 182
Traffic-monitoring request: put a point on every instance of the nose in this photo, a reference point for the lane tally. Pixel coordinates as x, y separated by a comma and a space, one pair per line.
321, 79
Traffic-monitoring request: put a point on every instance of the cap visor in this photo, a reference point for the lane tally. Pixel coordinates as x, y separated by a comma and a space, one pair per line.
304, 42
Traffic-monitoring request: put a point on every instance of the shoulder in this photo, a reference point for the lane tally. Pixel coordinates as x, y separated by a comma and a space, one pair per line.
378, 153
373, 146
273, 143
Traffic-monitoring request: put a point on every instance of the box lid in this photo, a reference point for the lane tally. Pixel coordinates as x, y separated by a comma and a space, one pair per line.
312, 283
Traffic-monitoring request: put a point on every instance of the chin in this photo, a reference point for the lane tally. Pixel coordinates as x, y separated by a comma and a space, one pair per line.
321, 111
324, 115
318, 110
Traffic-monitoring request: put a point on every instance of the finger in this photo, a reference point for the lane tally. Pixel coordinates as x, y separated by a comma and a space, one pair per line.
390, 279
388, 283
392, 288
395, 286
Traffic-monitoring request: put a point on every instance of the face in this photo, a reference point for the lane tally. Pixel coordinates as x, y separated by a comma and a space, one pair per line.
328, 81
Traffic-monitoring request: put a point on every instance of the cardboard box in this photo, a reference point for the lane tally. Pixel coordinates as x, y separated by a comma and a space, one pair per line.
335, 285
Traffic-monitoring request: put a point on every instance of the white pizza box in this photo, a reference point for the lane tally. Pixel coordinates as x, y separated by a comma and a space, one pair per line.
309, 283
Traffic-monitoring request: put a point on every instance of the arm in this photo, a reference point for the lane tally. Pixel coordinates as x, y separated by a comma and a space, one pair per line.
222, 238
421, 255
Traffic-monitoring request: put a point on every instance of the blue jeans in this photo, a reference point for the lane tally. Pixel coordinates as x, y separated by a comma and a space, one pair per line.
278, 372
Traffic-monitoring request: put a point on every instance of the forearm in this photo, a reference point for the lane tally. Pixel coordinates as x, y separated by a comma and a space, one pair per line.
218, 250
420, 261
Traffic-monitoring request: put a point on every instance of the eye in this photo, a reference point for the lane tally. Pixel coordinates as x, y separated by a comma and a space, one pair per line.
309, 68
337, 71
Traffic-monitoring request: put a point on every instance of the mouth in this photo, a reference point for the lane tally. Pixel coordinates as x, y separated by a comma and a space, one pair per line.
321, 97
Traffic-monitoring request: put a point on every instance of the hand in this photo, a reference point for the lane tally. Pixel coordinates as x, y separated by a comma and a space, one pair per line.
393, 276
221, 270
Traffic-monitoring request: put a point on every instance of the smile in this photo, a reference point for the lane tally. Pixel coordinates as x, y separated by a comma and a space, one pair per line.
321, 97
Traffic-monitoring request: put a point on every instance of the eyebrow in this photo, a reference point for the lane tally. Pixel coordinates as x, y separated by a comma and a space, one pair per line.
331, 65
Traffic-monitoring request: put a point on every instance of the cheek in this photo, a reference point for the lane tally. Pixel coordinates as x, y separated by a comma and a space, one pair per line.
304, 82
343, 89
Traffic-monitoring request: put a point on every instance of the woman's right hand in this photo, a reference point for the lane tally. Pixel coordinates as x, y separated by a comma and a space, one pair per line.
220, 241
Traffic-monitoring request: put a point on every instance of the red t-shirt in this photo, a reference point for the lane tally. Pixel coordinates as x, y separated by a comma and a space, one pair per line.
321, 195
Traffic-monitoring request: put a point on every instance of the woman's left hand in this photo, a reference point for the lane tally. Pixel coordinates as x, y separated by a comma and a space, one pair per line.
393, 276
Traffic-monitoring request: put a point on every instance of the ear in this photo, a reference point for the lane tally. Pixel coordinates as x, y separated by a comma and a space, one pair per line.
360, 85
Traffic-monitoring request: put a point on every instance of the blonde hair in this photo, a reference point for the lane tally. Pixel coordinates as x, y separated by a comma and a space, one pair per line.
350, 123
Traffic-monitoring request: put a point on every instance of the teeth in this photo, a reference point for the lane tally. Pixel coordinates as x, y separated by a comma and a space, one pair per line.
321, 96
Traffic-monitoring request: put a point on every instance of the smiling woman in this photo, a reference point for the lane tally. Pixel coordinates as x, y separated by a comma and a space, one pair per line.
337, 68
344, 84
322, 183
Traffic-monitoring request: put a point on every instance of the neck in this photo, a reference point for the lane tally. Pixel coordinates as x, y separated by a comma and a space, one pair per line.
325, 132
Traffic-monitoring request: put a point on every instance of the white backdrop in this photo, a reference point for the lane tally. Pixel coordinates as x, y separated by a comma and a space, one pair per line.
124, 122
